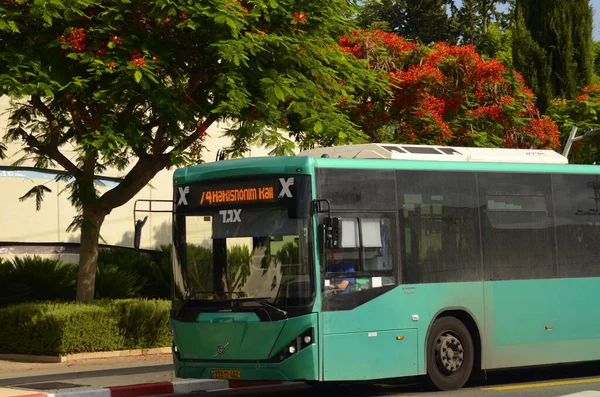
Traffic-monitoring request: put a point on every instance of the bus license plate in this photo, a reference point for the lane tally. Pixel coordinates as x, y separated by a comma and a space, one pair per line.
225, 374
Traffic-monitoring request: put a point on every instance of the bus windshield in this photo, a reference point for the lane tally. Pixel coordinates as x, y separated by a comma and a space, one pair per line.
256, 254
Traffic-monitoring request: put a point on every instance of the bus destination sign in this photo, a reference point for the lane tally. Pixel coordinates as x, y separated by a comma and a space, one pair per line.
234, 196
232, 193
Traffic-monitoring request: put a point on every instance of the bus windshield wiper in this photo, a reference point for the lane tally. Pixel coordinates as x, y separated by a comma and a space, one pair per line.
264, 302
191, 292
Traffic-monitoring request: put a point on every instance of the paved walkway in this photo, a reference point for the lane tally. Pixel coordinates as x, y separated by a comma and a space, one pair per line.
17, 378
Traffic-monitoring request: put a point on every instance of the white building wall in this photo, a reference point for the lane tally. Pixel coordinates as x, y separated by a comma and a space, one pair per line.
23, 230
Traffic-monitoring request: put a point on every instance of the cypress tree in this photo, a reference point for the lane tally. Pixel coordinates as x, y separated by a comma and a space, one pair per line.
530, 59
467, 19
552, 46
424, 20
474, 18
583, 43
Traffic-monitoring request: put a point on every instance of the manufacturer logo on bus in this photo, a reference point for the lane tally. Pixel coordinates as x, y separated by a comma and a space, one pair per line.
220, 349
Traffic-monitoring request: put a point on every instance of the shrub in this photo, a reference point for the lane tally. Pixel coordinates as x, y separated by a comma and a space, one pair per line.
119, 273
34, 278
58, 329
145, 323
158, 274
66, 328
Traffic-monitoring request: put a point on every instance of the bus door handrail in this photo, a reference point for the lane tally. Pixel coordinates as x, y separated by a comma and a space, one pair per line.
138, 224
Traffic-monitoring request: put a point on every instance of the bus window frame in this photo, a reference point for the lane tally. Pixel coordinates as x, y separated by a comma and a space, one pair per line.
395, 251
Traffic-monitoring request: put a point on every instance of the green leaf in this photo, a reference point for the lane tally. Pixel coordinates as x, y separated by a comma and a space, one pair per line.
47, 19
137, 76
232, 24
279, 93
14, 27
318, 127
37, 192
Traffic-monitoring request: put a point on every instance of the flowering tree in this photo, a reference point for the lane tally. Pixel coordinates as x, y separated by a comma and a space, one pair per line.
584, 113
134, 85
447, 95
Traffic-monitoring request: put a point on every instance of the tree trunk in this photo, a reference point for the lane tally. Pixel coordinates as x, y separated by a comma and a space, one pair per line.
88, 253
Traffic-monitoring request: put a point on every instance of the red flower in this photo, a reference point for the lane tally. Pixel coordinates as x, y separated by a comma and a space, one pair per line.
300, 17
137, 58
116, 39
201, 129
493, 112
582, 98
75, 40
436, 86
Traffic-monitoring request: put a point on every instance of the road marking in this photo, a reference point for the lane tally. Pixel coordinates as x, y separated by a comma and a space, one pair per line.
543, 384
587, 393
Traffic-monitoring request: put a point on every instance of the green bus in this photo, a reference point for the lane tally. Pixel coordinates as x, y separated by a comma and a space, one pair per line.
380, 261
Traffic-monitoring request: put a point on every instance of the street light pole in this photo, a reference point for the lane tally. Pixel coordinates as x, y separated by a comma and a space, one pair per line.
573, 138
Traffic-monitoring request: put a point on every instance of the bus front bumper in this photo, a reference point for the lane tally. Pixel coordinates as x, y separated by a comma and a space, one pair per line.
300, 366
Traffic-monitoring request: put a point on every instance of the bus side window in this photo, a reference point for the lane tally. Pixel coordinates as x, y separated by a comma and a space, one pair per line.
366, 250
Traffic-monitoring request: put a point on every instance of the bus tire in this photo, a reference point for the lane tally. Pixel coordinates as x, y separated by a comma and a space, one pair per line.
450, 354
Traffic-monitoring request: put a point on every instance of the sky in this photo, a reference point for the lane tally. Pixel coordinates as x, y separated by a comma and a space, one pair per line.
596, 9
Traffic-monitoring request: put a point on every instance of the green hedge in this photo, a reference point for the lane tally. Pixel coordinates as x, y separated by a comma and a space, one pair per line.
65, 328
121, 273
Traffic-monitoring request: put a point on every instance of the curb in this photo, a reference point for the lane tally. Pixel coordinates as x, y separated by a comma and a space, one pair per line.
157, 389
26, 358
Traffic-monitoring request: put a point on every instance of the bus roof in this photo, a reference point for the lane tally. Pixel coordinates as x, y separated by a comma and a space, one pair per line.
305, 161
438, 153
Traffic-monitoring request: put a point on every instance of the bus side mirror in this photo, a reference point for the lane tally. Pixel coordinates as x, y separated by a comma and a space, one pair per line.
331, 232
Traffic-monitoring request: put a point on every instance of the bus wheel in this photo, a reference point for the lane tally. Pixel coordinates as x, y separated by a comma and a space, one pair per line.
450, 354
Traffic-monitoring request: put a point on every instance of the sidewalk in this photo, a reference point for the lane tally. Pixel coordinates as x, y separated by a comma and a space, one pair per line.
79, 376
137, 376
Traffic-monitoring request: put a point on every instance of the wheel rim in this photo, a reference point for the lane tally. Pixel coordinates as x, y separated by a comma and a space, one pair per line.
449, 353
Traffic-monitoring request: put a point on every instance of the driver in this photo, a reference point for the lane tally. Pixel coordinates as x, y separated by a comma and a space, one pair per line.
337, 264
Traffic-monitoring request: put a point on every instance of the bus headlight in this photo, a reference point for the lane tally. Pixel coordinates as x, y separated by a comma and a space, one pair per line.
176, 351
300, 342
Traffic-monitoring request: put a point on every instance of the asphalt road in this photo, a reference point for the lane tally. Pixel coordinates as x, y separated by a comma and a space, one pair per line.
582, 380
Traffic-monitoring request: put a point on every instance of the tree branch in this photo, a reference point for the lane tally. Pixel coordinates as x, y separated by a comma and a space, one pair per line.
52, 152
129, 109
194, 82
200, 131
38, 104
77, 120
157, 146
146, 168
77, 111
138, 177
